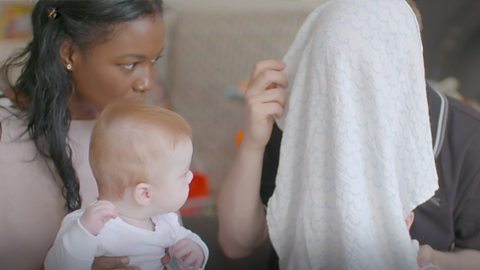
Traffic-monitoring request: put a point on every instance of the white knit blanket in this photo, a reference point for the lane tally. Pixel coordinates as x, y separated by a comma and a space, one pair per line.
356, 155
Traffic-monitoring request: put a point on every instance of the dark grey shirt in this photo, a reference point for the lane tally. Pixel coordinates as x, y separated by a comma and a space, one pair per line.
452, 216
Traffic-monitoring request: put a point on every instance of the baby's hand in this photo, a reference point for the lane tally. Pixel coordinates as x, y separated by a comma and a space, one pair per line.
189, 252
96, 215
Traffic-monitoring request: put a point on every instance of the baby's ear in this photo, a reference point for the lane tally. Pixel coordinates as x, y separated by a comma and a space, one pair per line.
143, 194
409, 220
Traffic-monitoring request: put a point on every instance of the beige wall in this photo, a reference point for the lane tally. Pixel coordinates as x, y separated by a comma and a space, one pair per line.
214, 45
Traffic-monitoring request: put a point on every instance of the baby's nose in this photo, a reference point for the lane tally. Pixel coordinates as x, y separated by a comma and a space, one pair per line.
189, 176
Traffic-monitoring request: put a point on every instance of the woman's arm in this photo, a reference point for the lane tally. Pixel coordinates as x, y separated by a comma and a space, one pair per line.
112, 263
242, 223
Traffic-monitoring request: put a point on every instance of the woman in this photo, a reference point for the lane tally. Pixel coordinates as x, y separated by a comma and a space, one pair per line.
83, 56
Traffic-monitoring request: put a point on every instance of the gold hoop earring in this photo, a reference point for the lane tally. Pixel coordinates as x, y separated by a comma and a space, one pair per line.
69, 66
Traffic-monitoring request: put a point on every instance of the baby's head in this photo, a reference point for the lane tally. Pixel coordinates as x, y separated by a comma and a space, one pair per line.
141, 155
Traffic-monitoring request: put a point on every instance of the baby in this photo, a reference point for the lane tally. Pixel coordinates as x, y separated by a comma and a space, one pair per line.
140, 156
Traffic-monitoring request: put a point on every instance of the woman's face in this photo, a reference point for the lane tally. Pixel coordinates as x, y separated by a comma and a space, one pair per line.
121, 67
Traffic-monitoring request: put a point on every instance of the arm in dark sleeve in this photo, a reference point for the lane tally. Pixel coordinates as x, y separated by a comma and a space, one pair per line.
452, 216
467, 211
467, 224
270, 164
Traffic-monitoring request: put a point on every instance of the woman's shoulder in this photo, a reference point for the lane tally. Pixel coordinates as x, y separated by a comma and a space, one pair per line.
12, 126
29, 194
15, 140
6, 111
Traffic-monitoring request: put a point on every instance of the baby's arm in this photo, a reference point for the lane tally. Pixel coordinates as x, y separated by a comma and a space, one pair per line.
76, 244
189, 248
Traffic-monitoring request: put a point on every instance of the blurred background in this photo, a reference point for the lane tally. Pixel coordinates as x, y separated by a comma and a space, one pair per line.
211, 48
452, 44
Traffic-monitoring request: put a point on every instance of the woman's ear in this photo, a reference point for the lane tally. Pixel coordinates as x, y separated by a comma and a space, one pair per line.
69, 53
143, 194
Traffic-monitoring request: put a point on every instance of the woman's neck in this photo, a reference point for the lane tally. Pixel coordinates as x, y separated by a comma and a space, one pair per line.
81, 110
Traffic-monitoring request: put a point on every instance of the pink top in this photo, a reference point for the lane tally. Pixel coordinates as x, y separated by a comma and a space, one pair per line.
31, 204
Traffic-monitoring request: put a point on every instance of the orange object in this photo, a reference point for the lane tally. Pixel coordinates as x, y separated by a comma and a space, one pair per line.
15, 21
239, 137
199, 197
199, 186
243, 86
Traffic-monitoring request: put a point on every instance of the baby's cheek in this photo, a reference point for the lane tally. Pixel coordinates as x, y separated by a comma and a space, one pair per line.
187, 190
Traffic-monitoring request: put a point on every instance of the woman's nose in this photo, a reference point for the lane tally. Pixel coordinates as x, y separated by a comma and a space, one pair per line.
144, 82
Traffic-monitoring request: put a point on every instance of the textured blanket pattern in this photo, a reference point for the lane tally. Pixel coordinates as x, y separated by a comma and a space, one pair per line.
356, 156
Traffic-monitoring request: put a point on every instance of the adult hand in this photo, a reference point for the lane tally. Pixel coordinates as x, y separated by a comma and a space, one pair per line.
112, 263
189, 252
426, 257
96, 215
166, 259
264, 100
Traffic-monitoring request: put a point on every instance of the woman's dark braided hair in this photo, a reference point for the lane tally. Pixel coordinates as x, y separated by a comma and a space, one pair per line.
44, 87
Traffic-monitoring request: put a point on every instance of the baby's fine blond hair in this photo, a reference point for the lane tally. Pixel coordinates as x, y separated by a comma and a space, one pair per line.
128, 143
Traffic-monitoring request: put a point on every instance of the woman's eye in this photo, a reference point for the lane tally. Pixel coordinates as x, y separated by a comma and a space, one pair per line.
156, 59
129, 66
